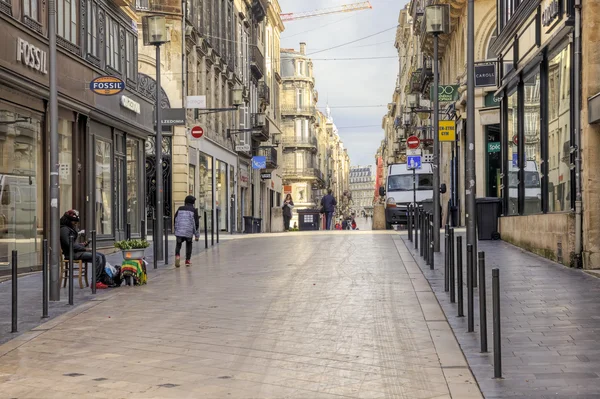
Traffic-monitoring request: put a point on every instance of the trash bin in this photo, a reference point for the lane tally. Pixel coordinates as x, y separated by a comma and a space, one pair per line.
308, 219
257, 225
248, 225
488, 212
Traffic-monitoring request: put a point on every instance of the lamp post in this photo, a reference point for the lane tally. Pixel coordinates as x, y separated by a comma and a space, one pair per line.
155, 34
54, 232
470, 186
437, 20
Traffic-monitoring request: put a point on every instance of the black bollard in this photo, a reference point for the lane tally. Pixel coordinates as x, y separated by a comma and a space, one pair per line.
166, 226
497, 333
409, 222
154, 244
426, 249
452, 276
15, 288
447, 259
459, 276
94, 262
217, 226
212, 228
482, 304
431, 252
416, 221
128, 231
71, 289
143, 229
45, 283
205, 231
422, 229
470, 293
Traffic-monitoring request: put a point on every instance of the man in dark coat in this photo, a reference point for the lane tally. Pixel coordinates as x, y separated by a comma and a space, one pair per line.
328, 203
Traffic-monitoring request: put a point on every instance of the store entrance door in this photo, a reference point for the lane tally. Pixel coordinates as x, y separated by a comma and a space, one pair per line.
493, 160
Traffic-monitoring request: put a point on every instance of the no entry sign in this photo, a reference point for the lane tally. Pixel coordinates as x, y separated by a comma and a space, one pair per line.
197, 132
413, 142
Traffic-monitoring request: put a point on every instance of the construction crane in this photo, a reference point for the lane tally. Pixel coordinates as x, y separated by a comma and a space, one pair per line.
293, 16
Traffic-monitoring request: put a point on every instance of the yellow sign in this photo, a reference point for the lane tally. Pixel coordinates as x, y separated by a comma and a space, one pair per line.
447, 131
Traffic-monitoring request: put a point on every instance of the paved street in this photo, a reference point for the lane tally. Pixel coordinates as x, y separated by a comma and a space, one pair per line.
295, 315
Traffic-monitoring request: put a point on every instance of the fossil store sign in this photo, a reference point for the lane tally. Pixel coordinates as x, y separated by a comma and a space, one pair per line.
34, 57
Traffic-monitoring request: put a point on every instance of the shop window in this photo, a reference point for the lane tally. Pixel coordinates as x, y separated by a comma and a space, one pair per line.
205, 185
65, 159
221, 193
130, 57
92, 28
192, 180
66, 14
532, 135
31, 9
134, 210
513, 153
559, 127
112, 44
103, 204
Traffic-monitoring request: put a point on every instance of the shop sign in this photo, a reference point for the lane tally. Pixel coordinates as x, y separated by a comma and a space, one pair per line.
31, 56
242, 147
493, 147
551, 12
244, 178
485, 75
131, 105
265, 176
491, 100
107, 85
446, 93
287, 190
173, 116
447, 131
259, 162
196, 102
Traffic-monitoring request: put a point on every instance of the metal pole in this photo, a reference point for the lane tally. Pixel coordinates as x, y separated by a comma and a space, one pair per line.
497, 332
427, 238
45, 279
15, 287
205, 231
212, 228
94, 262
470, 293
155, 244
128, 231
436, 148
452, 274
431, 242
409, 221
159, 168
71, 290
447, 259
422, 217
470, 183
459, 276
217, 226
54, 230
166, 227
417, 227
143, 229
482, 304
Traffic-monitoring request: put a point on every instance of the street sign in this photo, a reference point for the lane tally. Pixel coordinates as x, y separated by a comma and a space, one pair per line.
493, 146
413, 162
447, 131
485, 75
413, 142
197, 132
265, 176
515, 160
242, 147
196, 102
259, 162
416, 151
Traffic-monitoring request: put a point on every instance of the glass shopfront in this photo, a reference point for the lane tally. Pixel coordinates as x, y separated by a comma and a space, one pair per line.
65, 159
205, 198
104, 200
532, 135
513, 153
21, 186
134, 207
221, 193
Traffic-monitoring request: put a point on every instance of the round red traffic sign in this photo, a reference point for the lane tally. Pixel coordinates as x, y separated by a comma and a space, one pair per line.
413, 142
197, 132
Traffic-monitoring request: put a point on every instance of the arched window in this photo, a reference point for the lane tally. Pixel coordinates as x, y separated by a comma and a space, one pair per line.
490, 54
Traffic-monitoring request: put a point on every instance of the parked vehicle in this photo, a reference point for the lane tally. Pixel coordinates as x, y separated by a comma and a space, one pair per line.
17, 206
533, 188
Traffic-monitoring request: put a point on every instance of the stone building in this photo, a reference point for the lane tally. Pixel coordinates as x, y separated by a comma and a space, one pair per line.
362, 186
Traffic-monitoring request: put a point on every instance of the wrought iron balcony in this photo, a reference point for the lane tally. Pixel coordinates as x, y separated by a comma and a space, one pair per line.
302, 173
260, 124
415, 81
300, 110
300, 142
426, 74
259, 9
257, 62
264, 93
270, 154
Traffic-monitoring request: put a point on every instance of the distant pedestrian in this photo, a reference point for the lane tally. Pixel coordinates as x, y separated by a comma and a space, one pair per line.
187, 223
288, 205
328, 204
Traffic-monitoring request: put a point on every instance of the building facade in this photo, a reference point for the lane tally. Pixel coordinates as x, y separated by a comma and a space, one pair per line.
362, 187
101, 138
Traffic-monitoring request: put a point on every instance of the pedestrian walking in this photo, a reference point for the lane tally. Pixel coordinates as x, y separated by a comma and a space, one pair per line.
187, 224
328, 204
288, 205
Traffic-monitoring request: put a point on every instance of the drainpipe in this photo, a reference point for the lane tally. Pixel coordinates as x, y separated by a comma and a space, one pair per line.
577, 130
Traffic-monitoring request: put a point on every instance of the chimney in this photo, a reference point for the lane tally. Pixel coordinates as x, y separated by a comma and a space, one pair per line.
303, 48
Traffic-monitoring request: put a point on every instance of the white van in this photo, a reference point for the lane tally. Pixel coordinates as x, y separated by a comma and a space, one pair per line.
399, 191
17, 206
533, 188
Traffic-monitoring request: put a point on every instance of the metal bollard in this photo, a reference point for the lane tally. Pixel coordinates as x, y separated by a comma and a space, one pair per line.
416, 221
71, 288
154, 244
15, 287
212, 228
128, 231
459, 276
431, 252
421, 224
166, 226
482, 304
409, 222
497, 332
426, 249
217, 226
205, 231
45, 282
474, 271
470, 293
94, 262
143, 229
452, 276
447, 259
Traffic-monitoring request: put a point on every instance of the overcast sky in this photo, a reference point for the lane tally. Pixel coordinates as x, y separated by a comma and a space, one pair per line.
350, 83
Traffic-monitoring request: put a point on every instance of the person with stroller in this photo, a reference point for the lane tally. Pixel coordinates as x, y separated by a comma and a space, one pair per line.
187, 224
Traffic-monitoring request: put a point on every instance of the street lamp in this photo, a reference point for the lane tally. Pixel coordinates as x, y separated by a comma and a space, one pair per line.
155, 34
437, 22
413, 100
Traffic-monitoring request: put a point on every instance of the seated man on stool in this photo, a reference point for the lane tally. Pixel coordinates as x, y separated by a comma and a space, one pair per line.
69, 224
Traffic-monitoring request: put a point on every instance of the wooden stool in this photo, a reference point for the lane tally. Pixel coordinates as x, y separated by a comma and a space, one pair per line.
79, 265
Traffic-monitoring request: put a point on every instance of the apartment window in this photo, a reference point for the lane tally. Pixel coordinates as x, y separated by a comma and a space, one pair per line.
130, 57
31, 9
299, 98
300, 68
66, 15
112, 44
142, 4
92, 28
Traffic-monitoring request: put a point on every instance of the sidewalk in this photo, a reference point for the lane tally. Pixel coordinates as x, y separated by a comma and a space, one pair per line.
30, 291
550, 324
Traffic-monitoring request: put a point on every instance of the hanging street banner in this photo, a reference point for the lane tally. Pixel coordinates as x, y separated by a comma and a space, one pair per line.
447, 131
446, 94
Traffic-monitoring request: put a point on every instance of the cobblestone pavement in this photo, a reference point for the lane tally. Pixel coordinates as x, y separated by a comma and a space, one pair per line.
550, 325
295, 315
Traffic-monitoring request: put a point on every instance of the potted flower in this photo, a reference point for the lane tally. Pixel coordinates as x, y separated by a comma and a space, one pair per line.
132, 249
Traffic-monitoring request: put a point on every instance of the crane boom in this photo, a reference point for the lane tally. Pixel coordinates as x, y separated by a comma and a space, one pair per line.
292, 16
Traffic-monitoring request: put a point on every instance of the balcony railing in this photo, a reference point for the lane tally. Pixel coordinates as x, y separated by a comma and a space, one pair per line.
302, 173
264, 92
426, 73
305, 110
257, 62
271, 155
6, 7
300, 142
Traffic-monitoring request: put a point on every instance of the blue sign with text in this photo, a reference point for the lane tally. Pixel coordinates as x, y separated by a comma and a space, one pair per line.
515, 160
413, 162
259, 162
